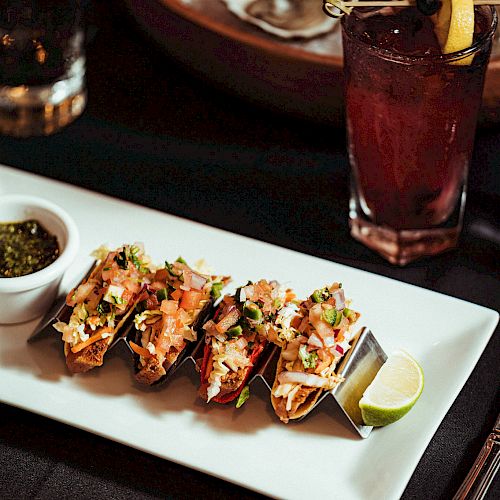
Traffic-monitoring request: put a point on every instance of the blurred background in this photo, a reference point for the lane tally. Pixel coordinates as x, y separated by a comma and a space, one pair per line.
149, 104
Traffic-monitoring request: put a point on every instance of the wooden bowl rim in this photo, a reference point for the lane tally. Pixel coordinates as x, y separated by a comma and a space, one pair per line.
275, 48
278, 49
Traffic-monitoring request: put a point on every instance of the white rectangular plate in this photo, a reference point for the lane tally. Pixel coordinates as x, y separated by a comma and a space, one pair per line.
322, 455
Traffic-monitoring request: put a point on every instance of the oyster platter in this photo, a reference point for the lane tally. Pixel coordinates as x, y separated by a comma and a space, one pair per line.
284, 18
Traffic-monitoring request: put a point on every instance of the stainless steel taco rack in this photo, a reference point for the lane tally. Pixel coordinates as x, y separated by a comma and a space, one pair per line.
358, 368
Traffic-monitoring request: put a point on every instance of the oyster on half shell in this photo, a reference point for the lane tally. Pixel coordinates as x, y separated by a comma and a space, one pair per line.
284, 18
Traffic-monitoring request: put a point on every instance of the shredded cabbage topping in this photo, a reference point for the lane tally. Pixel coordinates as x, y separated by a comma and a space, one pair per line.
107, 295
169, 307
244, 320
310, 352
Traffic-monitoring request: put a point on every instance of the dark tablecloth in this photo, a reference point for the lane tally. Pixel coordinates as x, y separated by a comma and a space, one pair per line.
155, 135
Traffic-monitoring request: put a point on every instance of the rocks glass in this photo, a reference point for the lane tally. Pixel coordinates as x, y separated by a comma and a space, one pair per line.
42, 65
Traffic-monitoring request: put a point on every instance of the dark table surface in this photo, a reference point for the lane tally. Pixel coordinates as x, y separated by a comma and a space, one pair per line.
155, 135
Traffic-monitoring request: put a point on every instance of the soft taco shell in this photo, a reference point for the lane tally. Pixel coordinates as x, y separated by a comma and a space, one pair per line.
153, 372
92, 355
303, 402
229, 396
88, 358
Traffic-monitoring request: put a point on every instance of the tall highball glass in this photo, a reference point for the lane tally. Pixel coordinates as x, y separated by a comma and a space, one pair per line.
411, 121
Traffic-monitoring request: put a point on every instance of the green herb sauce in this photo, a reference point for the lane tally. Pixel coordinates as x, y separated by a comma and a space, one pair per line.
25, 247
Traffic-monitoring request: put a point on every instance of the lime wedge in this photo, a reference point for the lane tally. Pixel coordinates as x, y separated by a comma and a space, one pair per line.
393, 391
454, 26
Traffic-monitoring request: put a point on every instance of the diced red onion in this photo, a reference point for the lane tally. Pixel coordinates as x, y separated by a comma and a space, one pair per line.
226, 310
197, 281
228, 320
329, 341
221, 337
241, 343
339, 297
193, 280
209, 326
339, 348
315, 341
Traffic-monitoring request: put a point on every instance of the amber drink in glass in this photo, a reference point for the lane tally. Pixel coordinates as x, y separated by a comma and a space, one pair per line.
42, 65
411, 119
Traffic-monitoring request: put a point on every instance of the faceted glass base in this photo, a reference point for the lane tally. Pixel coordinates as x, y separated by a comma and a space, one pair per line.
44, 109
41, 119
403, 246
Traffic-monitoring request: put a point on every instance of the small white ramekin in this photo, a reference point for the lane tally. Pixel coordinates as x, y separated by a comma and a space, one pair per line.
27, 297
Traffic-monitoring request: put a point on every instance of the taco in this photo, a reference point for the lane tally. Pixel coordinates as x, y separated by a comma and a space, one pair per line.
236, 337
101, 304
170, 311
320, 336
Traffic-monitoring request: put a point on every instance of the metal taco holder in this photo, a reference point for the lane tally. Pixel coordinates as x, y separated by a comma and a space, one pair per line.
358, 367
189, 352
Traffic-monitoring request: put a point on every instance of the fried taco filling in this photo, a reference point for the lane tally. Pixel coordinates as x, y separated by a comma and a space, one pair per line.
319, 336
101, 304
169, 308
237, 335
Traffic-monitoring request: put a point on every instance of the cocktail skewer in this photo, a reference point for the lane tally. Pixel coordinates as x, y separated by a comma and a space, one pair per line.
337, 8
400, 3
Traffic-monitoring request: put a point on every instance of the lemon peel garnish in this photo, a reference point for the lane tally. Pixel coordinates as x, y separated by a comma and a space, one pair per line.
454, 27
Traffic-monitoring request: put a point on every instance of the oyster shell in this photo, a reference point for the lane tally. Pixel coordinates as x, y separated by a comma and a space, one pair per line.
284, 18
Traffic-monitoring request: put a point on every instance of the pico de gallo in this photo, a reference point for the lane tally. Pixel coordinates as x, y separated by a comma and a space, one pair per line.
101, 303
167, 312
319, 338
237, 335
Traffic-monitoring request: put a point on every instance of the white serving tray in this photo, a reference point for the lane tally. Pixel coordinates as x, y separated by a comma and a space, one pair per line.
322, 456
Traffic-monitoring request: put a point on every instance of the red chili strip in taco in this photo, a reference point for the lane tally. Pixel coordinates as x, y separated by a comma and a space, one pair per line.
101, 304
237, 336
318, 340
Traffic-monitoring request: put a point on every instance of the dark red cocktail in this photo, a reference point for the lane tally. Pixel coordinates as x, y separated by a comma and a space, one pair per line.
411, 116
